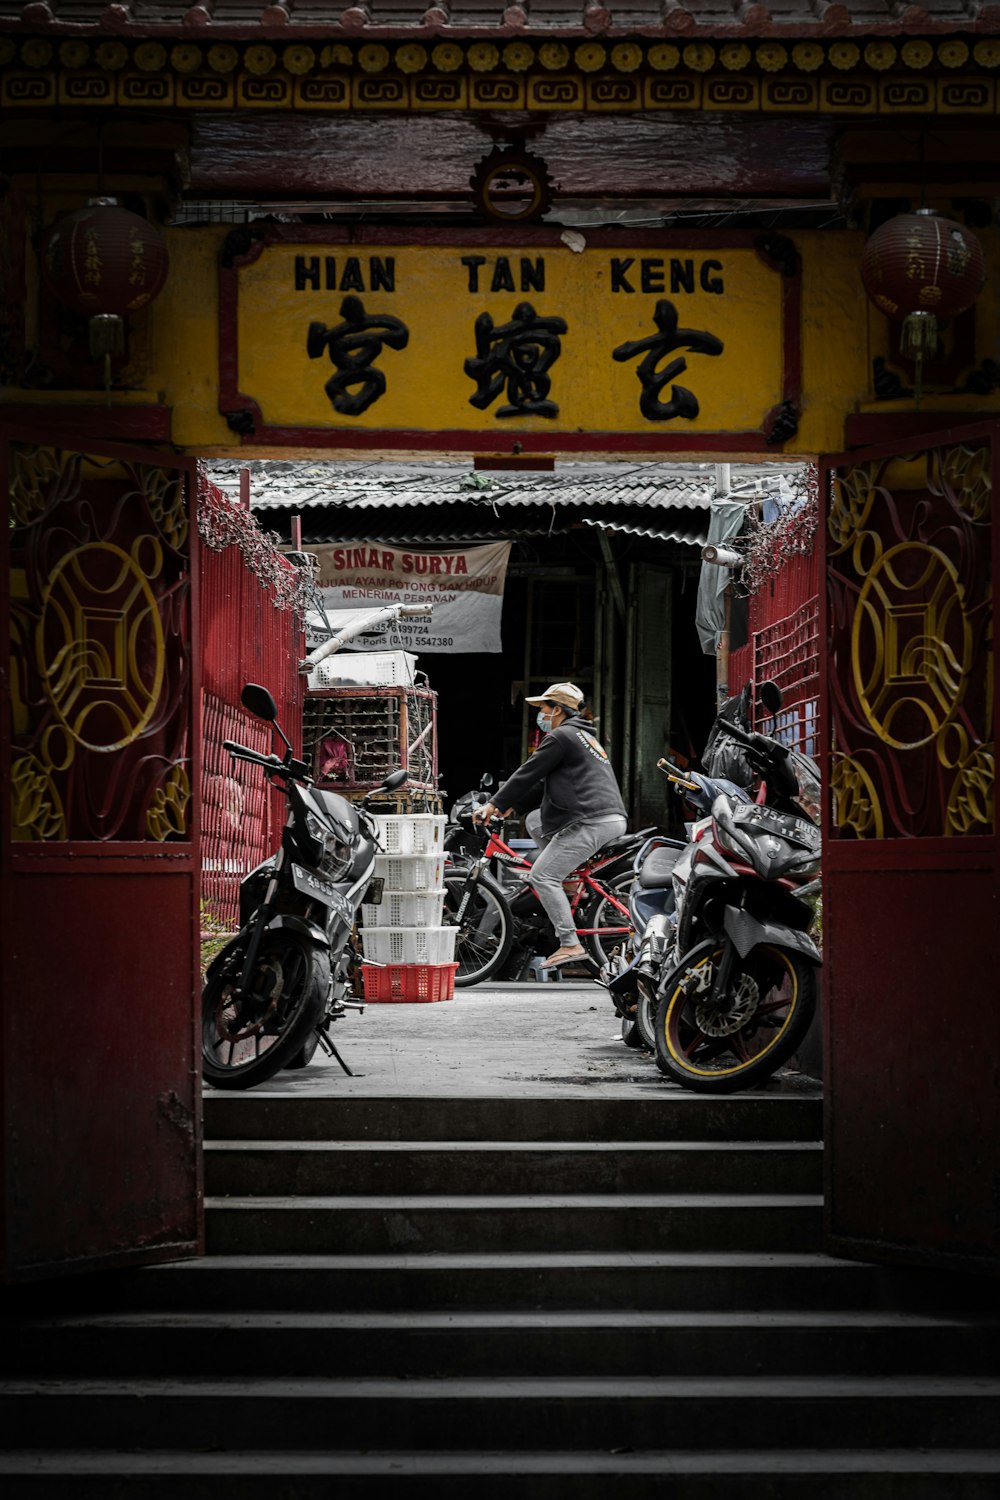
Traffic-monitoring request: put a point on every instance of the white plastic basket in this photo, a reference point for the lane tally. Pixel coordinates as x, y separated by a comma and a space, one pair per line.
365, 669
409, 945
405, 909
411, 833
411, 872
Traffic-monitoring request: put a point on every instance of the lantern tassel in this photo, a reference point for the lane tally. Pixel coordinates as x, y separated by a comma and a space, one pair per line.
919, 342
107, 337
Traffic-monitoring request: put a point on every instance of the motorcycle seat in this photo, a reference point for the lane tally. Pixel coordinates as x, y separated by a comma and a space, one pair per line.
658, 866
624, 843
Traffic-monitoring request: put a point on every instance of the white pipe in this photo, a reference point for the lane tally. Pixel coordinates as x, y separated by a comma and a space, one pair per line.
723, 557
384, 616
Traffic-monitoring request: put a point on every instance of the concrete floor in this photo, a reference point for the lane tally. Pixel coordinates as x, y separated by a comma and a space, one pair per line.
562, 1037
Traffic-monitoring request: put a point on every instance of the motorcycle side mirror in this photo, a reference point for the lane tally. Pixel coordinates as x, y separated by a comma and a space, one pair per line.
259, 701
397, 778
769, 694
486, 781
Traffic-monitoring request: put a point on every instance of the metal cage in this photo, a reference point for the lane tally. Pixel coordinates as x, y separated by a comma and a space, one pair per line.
355, 736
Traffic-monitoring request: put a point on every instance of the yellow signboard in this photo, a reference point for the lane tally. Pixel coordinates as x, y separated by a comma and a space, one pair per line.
672, 342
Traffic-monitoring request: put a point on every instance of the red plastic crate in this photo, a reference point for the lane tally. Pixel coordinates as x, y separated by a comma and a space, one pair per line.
409, 982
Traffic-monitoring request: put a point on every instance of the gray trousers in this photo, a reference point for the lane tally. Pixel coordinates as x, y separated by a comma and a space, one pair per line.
560, 856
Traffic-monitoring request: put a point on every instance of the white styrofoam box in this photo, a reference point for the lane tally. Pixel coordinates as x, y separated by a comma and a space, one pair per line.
409, 945
405, 909
411, 872
411, 833
365, 668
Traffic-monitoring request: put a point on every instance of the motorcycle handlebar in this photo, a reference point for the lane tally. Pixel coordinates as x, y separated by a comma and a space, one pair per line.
676, 774
243, 752
762, 743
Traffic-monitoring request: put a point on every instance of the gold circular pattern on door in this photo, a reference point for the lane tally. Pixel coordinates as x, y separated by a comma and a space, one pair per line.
911, 645
100, 646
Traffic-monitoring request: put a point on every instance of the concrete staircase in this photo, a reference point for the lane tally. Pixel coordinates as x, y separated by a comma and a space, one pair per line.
525, 1297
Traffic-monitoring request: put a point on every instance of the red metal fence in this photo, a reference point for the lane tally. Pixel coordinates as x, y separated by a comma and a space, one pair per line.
783, 646
247, 635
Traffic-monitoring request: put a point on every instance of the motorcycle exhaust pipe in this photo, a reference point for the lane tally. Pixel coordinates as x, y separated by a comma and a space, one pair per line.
655, 945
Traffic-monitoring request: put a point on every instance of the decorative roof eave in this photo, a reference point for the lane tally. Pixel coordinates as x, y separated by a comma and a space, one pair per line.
667, 21
356, 72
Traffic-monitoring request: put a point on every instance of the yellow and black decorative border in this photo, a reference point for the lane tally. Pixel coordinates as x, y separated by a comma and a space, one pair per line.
878, 77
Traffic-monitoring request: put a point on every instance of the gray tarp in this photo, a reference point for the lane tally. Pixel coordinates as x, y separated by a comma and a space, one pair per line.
725, 519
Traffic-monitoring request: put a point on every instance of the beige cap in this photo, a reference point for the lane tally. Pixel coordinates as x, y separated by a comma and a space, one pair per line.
567, 694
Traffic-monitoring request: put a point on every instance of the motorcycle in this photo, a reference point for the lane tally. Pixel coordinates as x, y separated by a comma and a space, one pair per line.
273, 992
739, 992
631, 974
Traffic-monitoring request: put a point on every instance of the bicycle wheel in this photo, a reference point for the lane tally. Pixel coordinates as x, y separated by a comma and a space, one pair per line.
602, 926
485, 932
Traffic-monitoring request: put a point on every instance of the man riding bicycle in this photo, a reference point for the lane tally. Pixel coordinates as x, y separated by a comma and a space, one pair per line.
581, 806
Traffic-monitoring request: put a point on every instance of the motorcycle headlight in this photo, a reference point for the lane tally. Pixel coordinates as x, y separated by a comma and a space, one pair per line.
334, 854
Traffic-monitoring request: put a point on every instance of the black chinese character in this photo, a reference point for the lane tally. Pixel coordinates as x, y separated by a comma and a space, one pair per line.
682, 403
517, 354
353, 345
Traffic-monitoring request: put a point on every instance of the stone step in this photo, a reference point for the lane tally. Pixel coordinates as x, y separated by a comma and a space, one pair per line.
880, 1474
667, 1114
274, 1168
519, 1280
622, 1221
637, 1413
424, 1345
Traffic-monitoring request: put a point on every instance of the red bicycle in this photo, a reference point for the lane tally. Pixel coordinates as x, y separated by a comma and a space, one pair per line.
490, 901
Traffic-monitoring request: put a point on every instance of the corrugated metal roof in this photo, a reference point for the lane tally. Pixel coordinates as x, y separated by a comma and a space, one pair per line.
439, 525
452, 525
685, 20
289, 486
662, 532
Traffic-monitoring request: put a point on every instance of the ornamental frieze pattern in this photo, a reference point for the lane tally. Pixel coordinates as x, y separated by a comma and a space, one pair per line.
879, 77
911, 646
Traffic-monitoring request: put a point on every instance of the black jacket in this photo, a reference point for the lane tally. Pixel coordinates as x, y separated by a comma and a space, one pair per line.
573, 769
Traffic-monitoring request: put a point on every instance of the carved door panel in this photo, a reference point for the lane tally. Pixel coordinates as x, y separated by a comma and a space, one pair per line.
912, 1025
99, 751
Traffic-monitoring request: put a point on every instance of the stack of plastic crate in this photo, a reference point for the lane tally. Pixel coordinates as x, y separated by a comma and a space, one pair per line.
408, 954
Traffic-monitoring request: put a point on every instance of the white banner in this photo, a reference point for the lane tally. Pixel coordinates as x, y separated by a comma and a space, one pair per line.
465, 586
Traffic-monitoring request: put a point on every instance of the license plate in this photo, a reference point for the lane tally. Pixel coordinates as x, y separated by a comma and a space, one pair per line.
311, 884
799, 830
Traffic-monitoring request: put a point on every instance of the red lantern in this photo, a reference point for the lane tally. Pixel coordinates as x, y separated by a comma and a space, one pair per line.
106, 263
921, 267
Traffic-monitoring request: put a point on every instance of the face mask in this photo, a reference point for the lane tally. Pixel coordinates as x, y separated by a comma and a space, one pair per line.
543, 720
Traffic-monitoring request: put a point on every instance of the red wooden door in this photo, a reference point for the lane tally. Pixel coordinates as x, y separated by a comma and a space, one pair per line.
912, 1024
100, 1069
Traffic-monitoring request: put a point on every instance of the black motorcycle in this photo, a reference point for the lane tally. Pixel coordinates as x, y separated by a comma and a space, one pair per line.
275, 989
633, 972
739, 993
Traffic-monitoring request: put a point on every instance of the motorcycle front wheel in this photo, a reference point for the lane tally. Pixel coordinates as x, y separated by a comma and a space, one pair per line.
737, 1043
485, 933
248, 1037
645, 1017
631, 1035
